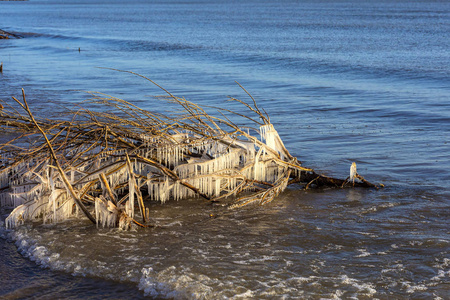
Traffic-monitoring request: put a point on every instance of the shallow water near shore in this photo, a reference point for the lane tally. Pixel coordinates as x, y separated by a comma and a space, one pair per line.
341, 81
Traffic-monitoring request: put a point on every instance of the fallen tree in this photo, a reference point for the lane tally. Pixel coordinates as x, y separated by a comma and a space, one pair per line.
107, 163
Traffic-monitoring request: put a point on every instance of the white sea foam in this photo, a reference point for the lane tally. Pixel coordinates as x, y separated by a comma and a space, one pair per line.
445, 264
181, 282
416, 243
394, 268
246, 295
176, 223
302, 280
227, 246
441, 274
29, 248
443, 270
263, 258
363, 253
413, 288
366, 288
241, 262
174, 283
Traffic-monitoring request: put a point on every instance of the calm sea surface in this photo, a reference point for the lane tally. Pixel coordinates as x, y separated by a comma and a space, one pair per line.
343, 81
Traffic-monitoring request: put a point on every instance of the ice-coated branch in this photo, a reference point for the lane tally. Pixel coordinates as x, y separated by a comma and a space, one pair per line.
110, 154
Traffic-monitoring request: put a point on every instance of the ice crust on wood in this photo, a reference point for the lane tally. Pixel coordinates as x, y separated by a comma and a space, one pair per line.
110, 160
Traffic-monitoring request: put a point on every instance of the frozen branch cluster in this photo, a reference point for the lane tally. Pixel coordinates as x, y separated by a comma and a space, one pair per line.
107, 163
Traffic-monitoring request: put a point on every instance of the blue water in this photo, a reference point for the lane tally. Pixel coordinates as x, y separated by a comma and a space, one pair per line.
342, 81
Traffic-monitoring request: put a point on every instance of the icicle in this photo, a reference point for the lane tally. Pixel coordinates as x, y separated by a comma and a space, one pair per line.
256, 167
217, 187
353, 173
53, 197
97, 213
151, 191
15, 217
106, 212
131, 194
164, 191
272, 139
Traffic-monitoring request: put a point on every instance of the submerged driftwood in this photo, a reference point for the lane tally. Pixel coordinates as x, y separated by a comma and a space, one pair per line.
7, 35
108, 163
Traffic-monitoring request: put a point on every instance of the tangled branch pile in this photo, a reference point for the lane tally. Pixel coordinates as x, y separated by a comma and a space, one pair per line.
107, 164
